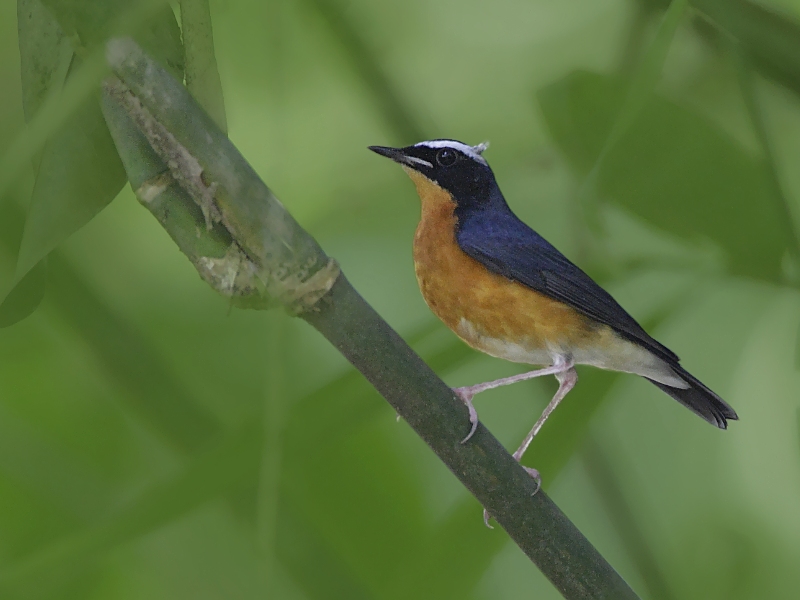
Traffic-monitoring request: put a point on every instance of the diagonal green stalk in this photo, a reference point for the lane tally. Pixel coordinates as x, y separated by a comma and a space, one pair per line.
295, 272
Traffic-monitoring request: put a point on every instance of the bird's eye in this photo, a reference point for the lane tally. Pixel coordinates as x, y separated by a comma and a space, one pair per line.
446, 157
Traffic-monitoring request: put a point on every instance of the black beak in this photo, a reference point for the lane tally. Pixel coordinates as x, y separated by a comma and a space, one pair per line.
399, 155
394, 153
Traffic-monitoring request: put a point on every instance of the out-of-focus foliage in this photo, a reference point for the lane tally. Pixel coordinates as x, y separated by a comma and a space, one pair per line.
78, 172
654, 171
155, 443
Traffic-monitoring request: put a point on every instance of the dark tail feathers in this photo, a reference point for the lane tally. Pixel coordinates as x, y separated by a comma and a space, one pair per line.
699, 399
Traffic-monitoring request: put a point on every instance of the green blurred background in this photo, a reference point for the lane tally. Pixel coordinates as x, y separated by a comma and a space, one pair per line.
155, 443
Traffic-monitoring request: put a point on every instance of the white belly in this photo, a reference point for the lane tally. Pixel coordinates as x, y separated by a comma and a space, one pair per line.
611, 352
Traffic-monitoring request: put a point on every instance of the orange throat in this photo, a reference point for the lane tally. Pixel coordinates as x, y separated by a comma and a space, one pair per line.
436, 260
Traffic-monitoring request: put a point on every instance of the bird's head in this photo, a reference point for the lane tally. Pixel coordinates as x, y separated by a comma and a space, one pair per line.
455, 167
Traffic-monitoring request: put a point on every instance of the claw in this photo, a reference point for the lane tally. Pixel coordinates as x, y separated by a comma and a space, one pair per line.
466, 398
473, 418
536, 477
486, 517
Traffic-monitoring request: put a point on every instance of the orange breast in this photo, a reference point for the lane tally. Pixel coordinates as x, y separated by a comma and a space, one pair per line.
488, 311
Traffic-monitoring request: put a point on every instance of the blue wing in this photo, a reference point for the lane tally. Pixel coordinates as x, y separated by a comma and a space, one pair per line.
507, 246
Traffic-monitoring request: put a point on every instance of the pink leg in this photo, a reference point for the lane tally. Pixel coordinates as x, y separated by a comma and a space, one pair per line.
467, 393
567, 380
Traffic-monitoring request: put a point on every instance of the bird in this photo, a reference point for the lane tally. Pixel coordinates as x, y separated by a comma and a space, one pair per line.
506, 291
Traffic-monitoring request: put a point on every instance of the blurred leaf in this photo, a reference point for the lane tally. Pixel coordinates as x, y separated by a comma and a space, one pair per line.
314, 565
332, 494
131, 362
771, 36
217, 469
53, 113
644, 80
127, 358
452, 557
642, 84
671, 168
85, 20
80, 171
757, 118
616, 502
52, 472
25, 297
202, 75
45, 56
89, 23
455, 557
79, 175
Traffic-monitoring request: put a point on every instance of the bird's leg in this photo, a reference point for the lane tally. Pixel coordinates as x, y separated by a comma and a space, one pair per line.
566, 381
467, 393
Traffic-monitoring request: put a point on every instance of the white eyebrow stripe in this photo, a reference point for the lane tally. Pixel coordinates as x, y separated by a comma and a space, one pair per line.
419, 161
468, 150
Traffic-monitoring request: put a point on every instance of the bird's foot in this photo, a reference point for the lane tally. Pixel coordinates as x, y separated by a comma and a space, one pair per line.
466, 394
530, 470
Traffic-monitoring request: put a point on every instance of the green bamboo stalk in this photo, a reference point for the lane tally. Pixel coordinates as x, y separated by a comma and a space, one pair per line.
218, 259
288, 264
294, 272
